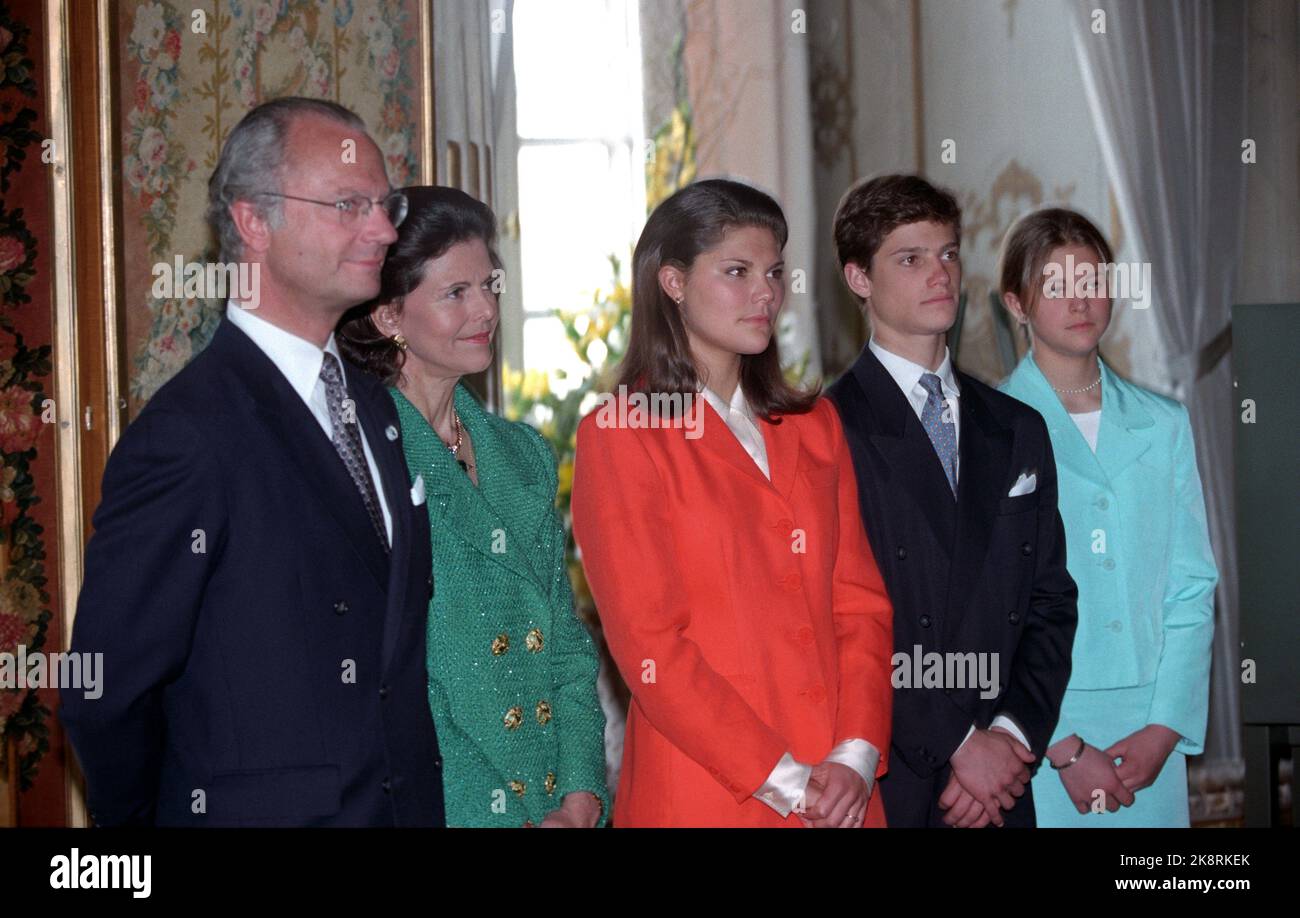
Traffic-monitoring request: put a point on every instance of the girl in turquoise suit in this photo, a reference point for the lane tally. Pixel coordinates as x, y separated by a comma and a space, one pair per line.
1137, 544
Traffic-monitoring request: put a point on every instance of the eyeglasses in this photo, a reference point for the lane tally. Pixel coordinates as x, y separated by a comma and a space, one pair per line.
357, 206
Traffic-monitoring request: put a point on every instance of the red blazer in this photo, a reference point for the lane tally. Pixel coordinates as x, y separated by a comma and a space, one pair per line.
748, 617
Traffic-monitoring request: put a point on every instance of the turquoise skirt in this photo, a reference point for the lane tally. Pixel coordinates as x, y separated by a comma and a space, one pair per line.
1102, 717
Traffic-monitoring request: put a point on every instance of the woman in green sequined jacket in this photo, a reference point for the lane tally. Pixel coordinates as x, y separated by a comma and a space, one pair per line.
512, 671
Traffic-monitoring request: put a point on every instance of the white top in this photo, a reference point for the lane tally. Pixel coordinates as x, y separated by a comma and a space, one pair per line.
300, 361
1088, 422
908, 376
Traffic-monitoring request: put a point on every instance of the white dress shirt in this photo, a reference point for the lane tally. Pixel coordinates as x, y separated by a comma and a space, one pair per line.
786, 785
300, 361
908, 377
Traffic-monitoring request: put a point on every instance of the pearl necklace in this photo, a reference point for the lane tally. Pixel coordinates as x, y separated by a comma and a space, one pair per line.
1091, 385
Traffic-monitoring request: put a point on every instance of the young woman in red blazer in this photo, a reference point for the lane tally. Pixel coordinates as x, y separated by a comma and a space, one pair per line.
717, 515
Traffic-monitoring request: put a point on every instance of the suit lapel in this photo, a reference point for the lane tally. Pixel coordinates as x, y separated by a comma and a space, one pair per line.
1072, 451
462, 508
985, 449
290, 421
782, 442
718, 440
893, 429
376, 420
1117, 446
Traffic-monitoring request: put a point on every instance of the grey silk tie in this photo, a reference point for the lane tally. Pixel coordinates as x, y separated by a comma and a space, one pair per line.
942, 431
347, 440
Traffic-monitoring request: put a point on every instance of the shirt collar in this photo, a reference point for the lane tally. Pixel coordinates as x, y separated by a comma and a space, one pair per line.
908, 374
297, 358
739, 404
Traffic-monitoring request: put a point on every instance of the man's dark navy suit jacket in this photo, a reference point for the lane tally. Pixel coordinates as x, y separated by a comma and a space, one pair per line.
264, 659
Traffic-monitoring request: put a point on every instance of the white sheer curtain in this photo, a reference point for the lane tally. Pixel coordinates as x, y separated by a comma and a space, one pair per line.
1166, 87
747, 68
474, 125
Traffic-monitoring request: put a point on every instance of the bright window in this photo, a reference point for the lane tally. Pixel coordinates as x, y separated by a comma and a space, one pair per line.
581, 163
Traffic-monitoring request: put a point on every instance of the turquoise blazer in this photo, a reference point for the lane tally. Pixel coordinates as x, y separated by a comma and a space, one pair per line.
1138, 546
512, 671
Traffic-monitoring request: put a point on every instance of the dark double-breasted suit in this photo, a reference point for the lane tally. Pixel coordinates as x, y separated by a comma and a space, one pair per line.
981, 573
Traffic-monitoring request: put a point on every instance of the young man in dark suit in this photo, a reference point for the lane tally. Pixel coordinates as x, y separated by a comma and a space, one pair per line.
260, 571
957, 486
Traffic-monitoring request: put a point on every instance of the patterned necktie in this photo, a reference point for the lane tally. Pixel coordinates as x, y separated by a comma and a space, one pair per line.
943, 433
347, 440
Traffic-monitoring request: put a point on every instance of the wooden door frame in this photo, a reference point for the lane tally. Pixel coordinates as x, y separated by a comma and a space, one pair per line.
90, 365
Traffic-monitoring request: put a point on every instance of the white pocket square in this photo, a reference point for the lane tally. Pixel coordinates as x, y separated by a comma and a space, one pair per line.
1025, 484
417, 491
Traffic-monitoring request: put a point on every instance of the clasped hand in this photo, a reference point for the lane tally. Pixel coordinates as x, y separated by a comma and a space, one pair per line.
836, 798
989, 773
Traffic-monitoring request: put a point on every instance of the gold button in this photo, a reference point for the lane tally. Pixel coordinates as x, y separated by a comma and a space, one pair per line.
514, 717
518, 787
543, 711
533, 641
550, 783
500, 644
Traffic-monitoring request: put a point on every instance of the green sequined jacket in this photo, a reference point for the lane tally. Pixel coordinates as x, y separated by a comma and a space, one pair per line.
512, 671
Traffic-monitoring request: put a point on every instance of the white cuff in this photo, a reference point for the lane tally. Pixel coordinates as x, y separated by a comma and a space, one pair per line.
859, 755
963, 740
1006, 723
786, 785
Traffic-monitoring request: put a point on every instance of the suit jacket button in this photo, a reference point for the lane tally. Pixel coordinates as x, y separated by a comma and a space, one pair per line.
902, 553
1108, 564
1026, 549
514, 717
383, 692
925, 621
1102, 503
437, 763
387, 786
534, 641
1014, 617
340, 607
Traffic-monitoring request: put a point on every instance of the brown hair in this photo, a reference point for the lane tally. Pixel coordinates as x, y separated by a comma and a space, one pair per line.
1029, 242
437, 219
658, 358
872, 209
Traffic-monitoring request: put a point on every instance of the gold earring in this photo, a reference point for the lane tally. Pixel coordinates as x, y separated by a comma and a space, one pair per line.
400, 340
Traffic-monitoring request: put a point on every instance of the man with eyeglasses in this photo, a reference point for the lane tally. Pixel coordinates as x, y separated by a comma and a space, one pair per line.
260, 570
